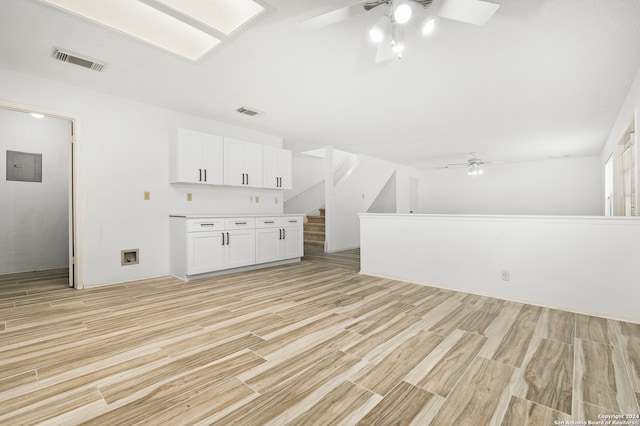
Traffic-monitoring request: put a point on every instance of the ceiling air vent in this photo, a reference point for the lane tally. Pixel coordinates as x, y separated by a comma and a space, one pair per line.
249, 112
74, 58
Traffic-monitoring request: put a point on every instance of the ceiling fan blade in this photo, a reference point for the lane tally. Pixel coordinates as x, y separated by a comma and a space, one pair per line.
456, 165
475, 12
333, 16
371, 4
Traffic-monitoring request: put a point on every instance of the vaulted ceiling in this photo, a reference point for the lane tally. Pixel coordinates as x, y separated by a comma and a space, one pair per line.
542, 78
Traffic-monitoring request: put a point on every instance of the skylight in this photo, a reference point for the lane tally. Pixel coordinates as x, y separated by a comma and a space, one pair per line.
225, 16
151, 25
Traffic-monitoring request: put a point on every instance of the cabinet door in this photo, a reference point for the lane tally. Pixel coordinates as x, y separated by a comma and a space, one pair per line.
242, 163
234, 173
276, 166
241, 248
195, 157
293, 242
205, 252
185, 157
285, 169
268, 245
212, 159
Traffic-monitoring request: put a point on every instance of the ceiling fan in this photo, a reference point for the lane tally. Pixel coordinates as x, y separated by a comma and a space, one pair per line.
388, 32
473, 164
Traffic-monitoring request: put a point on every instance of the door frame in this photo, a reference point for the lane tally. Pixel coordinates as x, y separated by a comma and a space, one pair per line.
76, 276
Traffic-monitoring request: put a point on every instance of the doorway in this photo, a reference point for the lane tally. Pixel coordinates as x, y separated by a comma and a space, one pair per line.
38, 212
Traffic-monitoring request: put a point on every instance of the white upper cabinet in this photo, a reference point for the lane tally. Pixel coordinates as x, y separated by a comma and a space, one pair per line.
242, 163
195, 157
276, 168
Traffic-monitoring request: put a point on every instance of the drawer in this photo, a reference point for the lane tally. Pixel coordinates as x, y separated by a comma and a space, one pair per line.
292, 222
239, 223
201, 225
268, 222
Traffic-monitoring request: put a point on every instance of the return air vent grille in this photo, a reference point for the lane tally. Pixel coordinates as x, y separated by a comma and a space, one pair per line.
74, 58
249, 112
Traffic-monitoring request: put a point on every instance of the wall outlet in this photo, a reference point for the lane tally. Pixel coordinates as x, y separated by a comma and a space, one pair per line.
257, 199
147, 195
189, 196
276, 200
504, 274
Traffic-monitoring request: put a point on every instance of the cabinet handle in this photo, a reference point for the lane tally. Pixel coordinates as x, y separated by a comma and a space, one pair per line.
227, 238
222, 238
205, 175
243, 178
269, 221
207, 224
241, 223
284, 234
293, 221
200, 178
247, 178
279, 234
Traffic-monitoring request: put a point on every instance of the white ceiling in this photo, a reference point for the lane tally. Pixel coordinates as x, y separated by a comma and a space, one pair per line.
542, 78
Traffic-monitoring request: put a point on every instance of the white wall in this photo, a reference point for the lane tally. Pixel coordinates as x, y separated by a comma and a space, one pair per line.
356, 194
569, 186
34, 231
630, 112
386, 201
581, 264
124, 152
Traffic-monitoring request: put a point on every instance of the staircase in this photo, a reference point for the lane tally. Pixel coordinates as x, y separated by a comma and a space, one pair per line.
314, 237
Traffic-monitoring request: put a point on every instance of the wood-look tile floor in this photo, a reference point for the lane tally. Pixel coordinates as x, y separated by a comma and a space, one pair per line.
312, 343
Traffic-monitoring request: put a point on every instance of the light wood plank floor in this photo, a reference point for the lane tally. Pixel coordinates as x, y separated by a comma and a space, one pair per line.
312, 343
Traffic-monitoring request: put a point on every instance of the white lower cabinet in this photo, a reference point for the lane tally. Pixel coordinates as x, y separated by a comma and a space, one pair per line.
204, 245
279, 238
240, 247
205, 252
293, 238
268, 245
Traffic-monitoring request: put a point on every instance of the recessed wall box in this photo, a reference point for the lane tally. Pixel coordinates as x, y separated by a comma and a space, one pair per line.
24, 166
130, 257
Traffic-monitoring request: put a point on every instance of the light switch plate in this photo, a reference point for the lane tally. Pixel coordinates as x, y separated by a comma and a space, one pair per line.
147, 195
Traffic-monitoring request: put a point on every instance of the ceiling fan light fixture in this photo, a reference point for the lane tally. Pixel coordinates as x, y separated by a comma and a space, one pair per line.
398, 47
402, 12
474, 170
379, 30
376, 34
428, 26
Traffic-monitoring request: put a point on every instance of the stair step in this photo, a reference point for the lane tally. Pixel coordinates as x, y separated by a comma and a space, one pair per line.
314, 236
314, 227
315, 219
314, 246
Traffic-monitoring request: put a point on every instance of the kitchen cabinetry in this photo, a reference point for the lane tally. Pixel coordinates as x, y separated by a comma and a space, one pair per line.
202, 245
195, 157
202, 158
240, 242
276, 168
279, 238
242, 163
